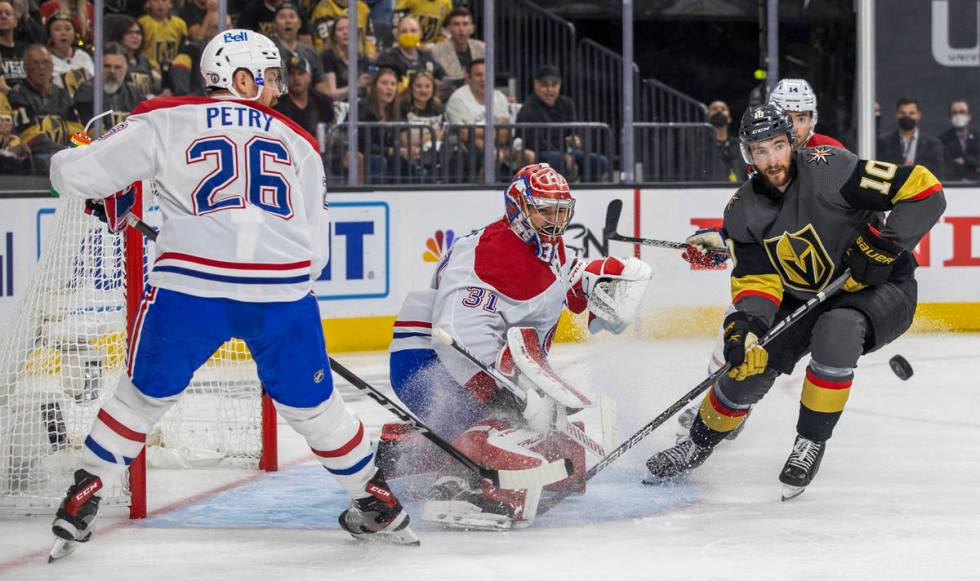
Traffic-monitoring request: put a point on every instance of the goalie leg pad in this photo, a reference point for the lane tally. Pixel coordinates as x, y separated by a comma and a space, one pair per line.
531, 359
338, 439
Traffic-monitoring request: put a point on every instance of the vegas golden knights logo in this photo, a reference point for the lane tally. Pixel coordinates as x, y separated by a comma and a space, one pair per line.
801, 259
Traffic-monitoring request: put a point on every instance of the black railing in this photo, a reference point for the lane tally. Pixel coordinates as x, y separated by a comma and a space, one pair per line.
677, 152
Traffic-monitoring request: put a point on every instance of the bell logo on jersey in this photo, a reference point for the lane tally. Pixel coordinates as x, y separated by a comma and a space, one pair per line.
801, 259
437, 245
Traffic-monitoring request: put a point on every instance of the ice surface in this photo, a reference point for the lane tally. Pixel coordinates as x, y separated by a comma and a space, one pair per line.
897, 497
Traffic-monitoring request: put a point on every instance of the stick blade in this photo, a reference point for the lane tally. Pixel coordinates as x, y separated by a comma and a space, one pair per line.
533, 477
613, 212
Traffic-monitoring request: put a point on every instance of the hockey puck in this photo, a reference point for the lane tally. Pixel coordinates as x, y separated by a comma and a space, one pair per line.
901, 367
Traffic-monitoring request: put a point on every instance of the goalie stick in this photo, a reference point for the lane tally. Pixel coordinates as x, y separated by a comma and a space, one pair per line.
783, 324
568, 429
609, 232
511, 479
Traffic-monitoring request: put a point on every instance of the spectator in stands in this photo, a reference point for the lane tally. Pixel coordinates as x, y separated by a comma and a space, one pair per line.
960, 145
72, 66
82, 14
561, 149
727, 163
324, 21
454, 55
466, 107
185, 71
420, 105
44, 116
335, 63
127, 32
379, 106
162, 35
193, 13
406, 55
308, 108
286, 35
117, 94
29, 28
13, 151
430, 15
381, 15
11, 50
259, 15
908, 145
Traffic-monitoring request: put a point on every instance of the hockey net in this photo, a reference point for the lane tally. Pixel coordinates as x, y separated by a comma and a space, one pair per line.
62, 353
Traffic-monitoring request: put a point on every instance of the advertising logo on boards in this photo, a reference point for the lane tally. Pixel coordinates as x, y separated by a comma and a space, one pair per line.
359, 266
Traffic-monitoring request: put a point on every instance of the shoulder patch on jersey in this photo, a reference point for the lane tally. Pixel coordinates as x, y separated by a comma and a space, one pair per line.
820, 155
507, 263
114, 130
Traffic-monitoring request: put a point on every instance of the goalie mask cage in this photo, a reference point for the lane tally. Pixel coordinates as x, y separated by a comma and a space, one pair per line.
62, 353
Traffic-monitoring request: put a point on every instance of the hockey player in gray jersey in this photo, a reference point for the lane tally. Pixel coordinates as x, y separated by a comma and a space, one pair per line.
804, 217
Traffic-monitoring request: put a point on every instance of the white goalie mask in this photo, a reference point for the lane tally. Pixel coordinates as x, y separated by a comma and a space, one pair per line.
236, 49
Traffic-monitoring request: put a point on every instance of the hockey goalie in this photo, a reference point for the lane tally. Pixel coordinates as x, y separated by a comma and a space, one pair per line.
499, 293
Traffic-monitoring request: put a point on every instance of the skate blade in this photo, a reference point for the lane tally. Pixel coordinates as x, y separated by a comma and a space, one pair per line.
61, 549
654, 480
397, 533
790, 492
458, 514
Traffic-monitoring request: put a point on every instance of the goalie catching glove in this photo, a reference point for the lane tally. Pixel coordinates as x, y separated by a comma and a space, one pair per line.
871, 259
742, 350
613, 288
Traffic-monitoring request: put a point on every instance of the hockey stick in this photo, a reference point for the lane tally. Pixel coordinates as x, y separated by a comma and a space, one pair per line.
783, 324
568, 429
510, 479
612, 224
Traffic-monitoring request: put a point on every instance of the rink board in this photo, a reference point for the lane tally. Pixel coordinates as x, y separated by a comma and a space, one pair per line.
387, 243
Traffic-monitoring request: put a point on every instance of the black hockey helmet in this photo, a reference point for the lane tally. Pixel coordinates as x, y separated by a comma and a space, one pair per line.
763, 122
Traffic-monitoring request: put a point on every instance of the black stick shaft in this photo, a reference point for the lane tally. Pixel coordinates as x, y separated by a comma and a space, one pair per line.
611, 232
783, 324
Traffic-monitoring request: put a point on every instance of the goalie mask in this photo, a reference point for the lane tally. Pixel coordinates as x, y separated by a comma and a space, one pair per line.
236, 49
539, 206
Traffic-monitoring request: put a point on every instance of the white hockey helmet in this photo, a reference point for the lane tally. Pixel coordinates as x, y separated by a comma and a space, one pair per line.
236, 49
795, 95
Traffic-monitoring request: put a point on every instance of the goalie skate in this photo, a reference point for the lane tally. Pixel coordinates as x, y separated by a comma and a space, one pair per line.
458, 505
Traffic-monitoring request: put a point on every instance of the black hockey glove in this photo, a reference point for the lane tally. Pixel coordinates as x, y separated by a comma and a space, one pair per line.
742, 350
872, 257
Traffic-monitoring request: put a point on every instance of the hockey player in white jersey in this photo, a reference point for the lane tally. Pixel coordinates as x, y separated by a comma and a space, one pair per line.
244, 232
499, 292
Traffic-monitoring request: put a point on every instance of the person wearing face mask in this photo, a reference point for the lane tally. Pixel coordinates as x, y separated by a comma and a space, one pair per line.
406, 56
960, 144
727, 163
908, 144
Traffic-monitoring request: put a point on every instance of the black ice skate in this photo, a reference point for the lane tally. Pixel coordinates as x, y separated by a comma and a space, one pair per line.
670, 464
75, 520
801, 466
378, 517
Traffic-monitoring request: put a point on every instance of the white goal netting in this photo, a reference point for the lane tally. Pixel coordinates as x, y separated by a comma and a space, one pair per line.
62, 353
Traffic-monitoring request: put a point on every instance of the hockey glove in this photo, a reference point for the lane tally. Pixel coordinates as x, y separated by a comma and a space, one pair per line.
613, 288
705, 248
742, 350
114, 210
871, 259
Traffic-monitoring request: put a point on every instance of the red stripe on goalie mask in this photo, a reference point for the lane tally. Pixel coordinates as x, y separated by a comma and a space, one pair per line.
346, 448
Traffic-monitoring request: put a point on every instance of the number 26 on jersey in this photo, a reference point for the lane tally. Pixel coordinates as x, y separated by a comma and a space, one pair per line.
262, 180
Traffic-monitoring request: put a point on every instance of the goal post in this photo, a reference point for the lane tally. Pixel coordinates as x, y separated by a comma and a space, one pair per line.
62, 352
